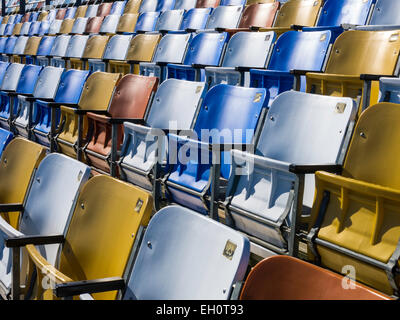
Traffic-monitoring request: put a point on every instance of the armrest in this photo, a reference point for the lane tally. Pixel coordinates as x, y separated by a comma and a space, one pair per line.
198, 66
59, 104
297, 72
228, 146
122, 120
242, 69
189, 30
220, 29
11, 207
69, 289
333, 77
374, 77
254, 28
24, 240
307, 169
83, 111
296, 27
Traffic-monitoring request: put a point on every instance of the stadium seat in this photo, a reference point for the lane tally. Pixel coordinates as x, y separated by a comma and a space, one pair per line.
31, 49
297, 51
81, 11
75, 49
132, 6
207, 3
92, 10
109, 25
59, 50
169, 20
104, 9
8, 48
259, 15
45, 212
279, 176
54, 28
117, 8
229, 115
34, 28
18, 49
146, 21
29, 112
389, 90
288, 278
195, 19
70, 13
17, 29
132, 96
93, 25
96, 96
384, 13
358, 59
115, 51
44, 50
175, 103
94, 49
148, 6
127, 23
66, 26
185, 4
170, 49
238, 59
103, 212
224, 17
79, 26
354, 218
205, 49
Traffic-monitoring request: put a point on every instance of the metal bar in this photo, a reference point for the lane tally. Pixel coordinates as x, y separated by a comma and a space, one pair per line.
52, 129
80, 133
3, 7
114, 143
215, 182
15, 286
22, 6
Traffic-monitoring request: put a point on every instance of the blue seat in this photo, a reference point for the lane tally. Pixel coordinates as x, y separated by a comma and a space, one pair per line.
389, 90
384, 16
25, 28
228, 115
233, 2
170, 49
9, 85
20, 45
117, 8
5, 138
79, 25
44, 27
293, 51
195, 19
59, 50
303, 133
55, 27
185, 4
91, 10
148, 6
18, 18
205, 49
9, 29
68, 94
239, 59
175, 103
34, 28
2, 29
9, 47
184, 255
169, 20
44, 49
48, 207
2, 44
224, 17
146, 21
70, 13
164, 5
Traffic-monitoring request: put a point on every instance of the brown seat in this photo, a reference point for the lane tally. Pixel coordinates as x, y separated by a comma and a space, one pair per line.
207, 3
104, 9
61, 13
259, 15
25, 17
130, 100
288, 278
93, 25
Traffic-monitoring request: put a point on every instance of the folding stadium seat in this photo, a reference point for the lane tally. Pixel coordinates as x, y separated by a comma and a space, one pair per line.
288, 278
104, 9
169, 20
79, 25
141, 49
170, 49
66, 26
61, 13
146, 21
148, 6
358, 58
96, 96
68, 92
55, 27
93, 25
207, 3
224, 17
185, 4
259, 15
70, 13
109, 25
31, 49
104, 207
17, 29
238, 59
91, 11
205, 49
46, 211
8, 48
117, 8
34, 28
132, 95
59, 50
44, 50
195, 19
176, 102
44, 28
42, 16
81, 11
29, 112
10, 77
132, 6
18, 49
354, 218
8, 29
75, 49
2, 29
294, 54
385, 13
94, 49
127, 23
25, 17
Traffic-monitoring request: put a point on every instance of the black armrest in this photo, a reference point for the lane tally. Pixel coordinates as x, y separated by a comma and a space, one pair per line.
59, 104
75, 288
161, 63
30, 98
11, 207
10, 93
189, 30
132, 61
305, 169
243, 69
303, 72
122, 120
199, 66
374, 77
296, 27
254, 28
83, 111
228, 146
220, 29
35, 240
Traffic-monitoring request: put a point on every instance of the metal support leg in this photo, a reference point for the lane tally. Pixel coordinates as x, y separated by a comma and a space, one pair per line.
114, 143
52, 130
15, 286
80, 137
29, 127
366, 95
215, 182
295, 214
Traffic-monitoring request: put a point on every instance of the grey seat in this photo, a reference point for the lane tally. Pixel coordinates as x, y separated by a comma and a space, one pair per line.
91, 10
109, 24
55, 27
59, 50
224, 17
384, 16
389, 90
25, 28
170, 20
185, 4
79, 25
148, 6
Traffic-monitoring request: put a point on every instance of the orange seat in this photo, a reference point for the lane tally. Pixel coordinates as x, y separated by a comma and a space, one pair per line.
93, 25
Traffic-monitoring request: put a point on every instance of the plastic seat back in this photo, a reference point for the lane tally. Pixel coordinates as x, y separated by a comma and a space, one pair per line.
298, 12
55, 27
164, 5
76, 46
71, 86
61, 13
336, 13
195, 19
95, 47
45, 46
104, 9
20, 45
34, 28
169, 20
93, 25
185, 4
60, 46
207, 3
224, 17
32, 46
147, 21
17, 29
2, 44
47, 84
66, 26
117, 47
118, 7
8, 30
148, 6
91, 10
132, 6
109, 24
3, 68
28, 78
171, 48
79, 25
167, 267
12, 76
259, 15
10, 44
70, 13
288, 278
142, 48
385, 13
81, 11
127, 23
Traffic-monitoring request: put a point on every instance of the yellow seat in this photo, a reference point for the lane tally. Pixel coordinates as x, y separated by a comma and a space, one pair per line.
66, 26
100, 237
43, 16
18, 162
17, 29
80, 12
132, 6
127, 23
31, 48
94, 49
355, 53
360, 208
250, 2
141, 49
5, 20
96, 96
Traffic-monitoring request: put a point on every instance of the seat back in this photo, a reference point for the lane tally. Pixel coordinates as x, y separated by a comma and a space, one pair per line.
109, 24
60, 46
195, 19
164, 5
61, 13
206, 48
98, 90
169, 20
76, 46
66, 26
10, 44
118, 8
45, 46
224, 17
95, 47
148, 6
207, 3
259, 15
79, 26
147, 21
32, 46
19, 160
9, 28
127, 22
71, 86
3, 68
81, 11
171, 48
385, 13
132, 6
28, 78
2, 44
365, 52
167, 267
104, 9
389, 90
47, 83
91, 11
142, 47
44, 28
93, 24
34, 28
20, 45
237, 53
336, 13
55, 27
11, 77
185, 4
288, 278
25, 28
108, 227
17, 29
117, 47
298, 12
51, 199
